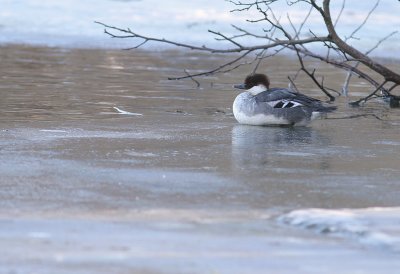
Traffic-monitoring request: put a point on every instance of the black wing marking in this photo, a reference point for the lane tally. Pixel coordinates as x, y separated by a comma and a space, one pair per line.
284, 104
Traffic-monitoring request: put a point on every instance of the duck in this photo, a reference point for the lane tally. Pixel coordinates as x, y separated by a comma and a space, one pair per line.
261, 105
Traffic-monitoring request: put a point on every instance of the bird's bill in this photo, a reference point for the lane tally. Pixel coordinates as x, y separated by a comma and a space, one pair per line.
240, 86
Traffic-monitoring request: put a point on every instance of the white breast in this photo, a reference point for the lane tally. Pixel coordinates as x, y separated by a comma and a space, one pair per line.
243, 107
260, 120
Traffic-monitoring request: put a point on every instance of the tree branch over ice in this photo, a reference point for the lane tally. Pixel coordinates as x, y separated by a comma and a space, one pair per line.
279, 35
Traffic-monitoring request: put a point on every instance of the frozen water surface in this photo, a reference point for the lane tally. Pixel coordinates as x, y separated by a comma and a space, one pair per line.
86, 187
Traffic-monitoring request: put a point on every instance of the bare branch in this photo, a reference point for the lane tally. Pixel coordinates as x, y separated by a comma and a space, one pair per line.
364, 21
336, 21
302, 23
387, 73
341, 65
138, 46
365, 99
226, 38
247, 33
381, 41
194, 80
340, 12
312, 75
262, 54
131, 34
349, 74
292, 85
215, 70
278, 37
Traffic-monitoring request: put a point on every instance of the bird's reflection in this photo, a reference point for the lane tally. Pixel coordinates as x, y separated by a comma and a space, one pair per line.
256, 146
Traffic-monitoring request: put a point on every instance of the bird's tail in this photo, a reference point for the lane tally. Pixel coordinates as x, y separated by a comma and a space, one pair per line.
326, 109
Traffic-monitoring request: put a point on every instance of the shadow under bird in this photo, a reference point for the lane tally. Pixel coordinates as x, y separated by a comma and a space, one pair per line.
261, 105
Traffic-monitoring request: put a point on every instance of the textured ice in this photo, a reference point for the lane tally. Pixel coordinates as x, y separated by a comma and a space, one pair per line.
371, 226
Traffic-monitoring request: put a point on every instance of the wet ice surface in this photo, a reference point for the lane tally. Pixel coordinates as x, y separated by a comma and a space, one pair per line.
87, 187
376, 227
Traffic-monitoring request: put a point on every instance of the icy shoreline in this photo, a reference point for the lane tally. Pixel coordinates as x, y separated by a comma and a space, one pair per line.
71, 23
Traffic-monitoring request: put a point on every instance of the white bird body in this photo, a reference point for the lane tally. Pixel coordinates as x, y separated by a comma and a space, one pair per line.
260, 105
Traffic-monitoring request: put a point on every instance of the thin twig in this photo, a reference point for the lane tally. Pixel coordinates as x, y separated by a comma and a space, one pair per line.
191, 78
292, 85
224, 37
336, 21
340, 12
312, 75
356, 116
346, 57
215, 70
131, 34
364, 21
366, 98
345, 87
262, 54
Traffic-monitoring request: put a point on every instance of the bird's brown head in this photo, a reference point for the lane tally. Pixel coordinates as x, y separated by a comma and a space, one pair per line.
255, 80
